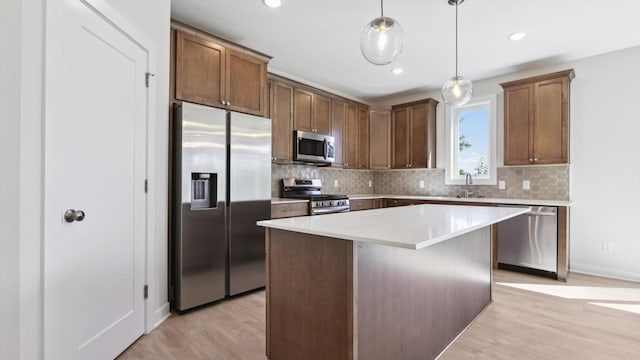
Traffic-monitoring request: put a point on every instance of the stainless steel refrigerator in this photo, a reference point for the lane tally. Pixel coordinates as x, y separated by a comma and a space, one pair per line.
221, 187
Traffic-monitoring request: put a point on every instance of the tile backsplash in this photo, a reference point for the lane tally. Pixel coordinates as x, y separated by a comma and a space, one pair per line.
547, 182
349, 181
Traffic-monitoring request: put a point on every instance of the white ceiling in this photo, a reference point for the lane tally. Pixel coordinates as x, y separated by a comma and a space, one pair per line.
319, 40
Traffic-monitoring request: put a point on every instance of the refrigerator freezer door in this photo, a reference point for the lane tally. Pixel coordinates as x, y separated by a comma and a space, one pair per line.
199, 224
250, 200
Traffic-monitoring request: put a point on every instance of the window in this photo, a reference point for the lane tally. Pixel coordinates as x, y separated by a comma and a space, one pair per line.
471, 142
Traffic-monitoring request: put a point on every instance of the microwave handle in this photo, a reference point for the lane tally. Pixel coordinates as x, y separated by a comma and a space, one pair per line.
326, 148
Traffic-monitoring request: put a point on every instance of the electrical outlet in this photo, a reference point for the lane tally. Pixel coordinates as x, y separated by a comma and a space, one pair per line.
335, 183
421, 184
607, 247
502, 185
526, 185
370, 183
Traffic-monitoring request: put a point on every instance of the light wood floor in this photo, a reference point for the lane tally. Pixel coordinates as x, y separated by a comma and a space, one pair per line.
543, 319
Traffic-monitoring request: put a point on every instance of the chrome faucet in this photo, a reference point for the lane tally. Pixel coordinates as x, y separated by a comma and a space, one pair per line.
468, 181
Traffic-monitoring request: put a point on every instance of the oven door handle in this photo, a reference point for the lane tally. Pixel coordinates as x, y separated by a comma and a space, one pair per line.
336, 209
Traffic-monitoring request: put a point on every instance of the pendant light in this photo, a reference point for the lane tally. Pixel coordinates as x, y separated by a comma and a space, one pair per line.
457, 90
382, 39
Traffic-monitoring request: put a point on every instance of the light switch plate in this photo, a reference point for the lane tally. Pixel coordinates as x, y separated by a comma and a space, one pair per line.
335, 183
421, 184
370, 183
526, 185
502, 185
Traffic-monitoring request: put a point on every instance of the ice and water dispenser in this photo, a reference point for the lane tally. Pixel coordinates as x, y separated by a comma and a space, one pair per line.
204, 194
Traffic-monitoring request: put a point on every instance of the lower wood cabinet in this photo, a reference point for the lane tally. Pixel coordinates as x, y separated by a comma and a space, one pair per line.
286, 210
364, 204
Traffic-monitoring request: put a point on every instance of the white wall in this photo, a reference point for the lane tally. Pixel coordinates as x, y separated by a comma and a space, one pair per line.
605, 173
21, 84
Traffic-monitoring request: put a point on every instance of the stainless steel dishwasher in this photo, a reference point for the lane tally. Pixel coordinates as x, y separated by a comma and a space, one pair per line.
529, 242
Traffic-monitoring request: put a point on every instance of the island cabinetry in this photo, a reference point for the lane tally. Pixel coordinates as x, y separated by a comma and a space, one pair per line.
413, 140
212, 71
380, 139
536, 119
364, 204
286, 210
281, 114
354, 302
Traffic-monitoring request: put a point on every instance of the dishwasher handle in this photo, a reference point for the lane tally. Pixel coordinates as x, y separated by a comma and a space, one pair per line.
540, 213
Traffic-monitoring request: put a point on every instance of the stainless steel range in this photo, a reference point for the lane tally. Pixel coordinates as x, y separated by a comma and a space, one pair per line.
310, 189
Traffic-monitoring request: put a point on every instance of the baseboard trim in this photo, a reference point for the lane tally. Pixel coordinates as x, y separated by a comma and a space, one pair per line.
604, 272
161, 314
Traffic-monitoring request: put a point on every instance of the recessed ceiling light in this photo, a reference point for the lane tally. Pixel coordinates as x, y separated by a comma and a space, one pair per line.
397, 71
273, 3
517, 36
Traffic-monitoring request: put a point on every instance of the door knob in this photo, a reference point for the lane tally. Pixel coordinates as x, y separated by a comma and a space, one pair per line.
73, 215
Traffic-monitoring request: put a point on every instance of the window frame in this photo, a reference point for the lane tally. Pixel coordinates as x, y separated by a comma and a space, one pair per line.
451, 134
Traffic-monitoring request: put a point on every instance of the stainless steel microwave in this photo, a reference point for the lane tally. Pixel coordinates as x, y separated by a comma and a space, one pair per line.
313, 147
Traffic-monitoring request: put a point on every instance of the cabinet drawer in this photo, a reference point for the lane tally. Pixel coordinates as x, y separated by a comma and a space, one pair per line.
362, 204
289, 210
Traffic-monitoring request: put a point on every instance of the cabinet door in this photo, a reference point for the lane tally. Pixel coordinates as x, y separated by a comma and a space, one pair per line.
321, 114
551, 125
431, 133
350, 153
518, 113
338, 129
418, 136
380, 139
302, 110
400, 125
200, 70
282, 121
246, 79
363, 139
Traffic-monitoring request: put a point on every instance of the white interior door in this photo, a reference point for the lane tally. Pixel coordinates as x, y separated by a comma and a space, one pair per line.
95, 161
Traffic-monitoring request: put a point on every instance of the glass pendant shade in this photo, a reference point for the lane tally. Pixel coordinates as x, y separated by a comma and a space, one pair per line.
457, 91
382, 41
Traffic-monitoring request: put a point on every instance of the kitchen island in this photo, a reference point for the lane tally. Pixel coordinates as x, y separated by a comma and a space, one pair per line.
396, 283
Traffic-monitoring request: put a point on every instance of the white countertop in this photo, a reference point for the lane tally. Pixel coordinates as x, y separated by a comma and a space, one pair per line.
412, 227
534, 202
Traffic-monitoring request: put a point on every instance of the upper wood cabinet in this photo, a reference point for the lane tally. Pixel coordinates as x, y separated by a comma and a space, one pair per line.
211, 71
321, 114
413, 139
350, 143
536, 119
281, 114
338, 129
312, 111
380, 139
363, 139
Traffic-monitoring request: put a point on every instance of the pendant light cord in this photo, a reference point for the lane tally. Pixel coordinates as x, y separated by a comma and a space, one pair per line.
456, 38
382, 9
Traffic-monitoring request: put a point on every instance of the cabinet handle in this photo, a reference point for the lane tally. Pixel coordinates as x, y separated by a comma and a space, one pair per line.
535, 159
530, 160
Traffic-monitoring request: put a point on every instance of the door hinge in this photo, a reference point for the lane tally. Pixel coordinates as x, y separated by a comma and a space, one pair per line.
146, 291
146, 185
147, 75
